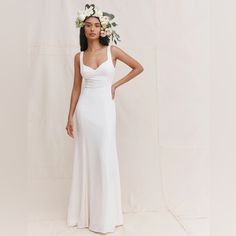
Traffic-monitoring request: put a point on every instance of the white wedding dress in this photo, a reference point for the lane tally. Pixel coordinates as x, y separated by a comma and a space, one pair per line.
95, 196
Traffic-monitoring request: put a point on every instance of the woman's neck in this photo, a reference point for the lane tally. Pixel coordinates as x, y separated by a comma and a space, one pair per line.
94, 46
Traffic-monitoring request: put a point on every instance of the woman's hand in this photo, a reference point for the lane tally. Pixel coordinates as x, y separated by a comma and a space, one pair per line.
113, 89
69, 128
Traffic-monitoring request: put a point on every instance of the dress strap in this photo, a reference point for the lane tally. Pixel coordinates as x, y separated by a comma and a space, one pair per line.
109, 52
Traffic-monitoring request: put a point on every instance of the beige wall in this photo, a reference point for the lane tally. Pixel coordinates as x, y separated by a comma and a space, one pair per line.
163, 114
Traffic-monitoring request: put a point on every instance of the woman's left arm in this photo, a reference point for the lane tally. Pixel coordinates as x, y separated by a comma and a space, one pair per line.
137, 68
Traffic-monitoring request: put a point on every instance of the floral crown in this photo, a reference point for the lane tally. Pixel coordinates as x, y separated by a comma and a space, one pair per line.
104, 17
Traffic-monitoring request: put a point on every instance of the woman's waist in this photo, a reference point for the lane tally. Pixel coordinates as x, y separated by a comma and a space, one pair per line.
95, 94
97, 85
97, 82
103, 89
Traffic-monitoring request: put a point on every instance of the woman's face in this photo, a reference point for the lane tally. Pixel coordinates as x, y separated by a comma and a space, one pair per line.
92, 28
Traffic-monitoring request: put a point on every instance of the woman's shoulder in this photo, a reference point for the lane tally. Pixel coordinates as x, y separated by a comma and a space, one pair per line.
116, 50
77, 54
114, 47
77, 57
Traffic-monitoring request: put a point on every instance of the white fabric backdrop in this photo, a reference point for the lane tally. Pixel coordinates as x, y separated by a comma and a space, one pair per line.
162, 115
183, 89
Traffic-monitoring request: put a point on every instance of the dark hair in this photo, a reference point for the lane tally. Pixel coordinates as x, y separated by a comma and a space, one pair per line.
83, 40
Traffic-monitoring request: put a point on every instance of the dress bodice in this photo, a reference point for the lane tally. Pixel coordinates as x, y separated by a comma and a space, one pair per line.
101, 76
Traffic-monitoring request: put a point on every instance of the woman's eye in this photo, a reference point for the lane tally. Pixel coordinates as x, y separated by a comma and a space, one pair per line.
89, 25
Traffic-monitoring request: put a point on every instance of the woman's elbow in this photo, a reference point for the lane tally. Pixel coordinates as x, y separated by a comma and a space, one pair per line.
140, 68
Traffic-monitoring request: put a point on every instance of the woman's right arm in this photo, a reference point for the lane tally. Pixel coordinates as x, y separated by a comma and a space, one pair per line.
75, 93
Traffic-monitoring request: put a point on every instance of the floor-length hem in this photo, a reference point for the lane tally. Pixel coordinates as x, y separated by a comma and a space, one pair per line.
97, 229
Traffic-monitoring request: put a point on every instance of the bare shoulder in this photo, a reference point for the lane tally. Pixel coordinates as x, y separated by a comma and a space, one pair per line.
77, 58
117, 51
126, 58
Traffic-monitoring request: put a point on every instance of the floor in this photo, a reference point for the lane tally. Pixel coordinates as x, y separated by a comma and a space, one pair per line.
162, 223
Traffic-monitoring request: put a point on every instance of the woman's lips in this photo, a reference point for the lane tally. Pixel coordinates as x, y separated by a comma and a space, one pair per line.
92, 34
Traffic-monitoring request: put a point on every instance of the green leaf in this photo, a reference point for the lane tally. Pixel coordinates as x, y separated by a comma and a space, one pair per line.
111, 16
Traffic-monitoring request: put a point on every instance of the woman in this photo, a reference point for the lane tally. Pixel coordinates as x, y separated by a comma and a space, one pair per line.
95, 198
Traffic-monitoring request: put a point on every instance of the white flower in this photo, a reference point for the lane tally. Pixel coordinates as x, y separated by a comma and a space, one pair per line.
108, 31
99, 13
104, 20
103, 33
81, 17
88, 11
104, 25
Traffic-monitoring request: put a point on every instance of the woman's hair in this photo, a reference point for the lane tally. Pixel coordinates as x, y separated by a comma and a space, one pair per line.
83, 40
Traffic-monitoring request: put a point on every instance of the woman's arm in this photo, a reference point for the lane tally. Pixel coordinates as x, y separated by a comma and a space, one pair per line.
74, 94
137, 68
